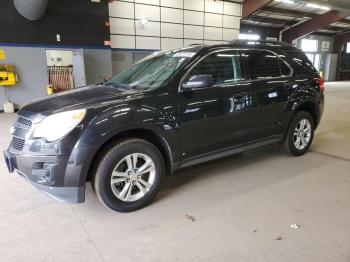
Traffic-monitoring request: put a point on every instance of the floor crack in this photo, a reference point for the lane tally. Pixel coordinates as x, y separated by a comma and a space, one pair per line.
89, 236
336, 129
332, 156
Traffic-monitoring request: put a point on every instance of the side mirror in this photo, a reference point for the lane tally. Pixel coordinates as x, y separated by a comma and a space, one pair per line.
198, 81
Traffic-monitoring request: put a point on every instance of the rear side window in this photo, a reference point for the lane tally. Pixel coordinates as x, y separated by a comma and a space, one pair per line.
303, 64
263, 64
223, 66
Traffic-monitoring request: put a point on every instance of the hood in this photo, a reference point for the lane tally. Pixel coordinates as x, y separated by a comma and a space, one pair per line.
84, 97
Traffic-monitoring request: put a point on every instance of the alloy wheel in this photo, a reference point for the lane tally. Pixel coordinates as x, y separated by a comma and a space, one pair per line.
302, 134
133, 177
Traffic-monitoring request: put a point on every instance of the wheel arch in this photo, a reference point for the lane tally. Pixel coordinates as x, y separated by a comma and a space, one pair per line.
311, 108
295, 106
141, 133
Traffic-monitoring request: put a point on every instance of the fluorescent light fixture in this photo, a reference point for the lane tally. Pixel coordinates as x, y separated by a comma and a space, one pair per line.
290, 2
249, 37
311, 5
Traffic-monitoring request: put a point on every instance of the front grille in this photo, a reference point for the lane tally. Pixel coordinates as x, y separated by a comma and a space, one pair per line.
19, 131
24, 121
17, 143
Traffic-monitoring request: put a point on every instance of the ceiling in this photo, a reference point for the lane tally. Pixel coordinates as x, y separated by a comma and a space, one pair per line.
281, 14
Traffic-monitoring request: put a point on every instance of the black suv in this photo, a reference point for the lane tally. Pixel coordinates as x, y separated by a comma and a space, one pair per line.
168, 111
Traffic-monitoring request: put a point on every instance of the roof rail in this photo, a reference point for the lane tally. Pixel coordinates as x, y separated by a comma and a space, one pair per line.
266, 42
196, 44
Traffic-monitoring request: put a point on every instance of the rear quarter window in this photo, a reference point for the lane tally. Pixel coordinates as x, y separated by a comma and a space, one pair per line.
285, 70
303, 66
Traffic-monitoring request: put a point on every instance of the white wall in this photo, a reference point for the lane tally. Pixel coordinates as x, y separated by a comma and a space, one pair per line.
172, 23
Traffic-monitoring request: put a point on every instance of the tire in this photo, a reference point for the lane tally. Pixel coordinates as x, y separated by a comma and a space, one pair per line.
119, 185
305, 137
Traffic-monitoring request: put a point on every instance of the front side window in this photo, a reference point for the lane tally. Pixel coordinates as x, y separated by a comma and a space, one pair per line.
152, 71
262, 64
224, 67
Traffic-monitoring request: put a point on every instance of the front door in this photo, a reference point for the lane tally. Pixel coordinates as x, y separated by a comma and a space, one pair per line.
210, 116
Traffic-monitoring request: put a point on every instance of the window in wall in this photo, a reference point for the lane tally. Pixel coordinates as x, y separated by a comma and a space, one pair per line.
348, 48
315, 60
309, 45
261, 64
310, 57
223, 66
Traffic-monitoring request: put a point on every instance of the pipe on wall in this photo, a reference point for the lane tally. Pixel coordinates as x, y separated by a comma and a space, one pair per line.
31, 9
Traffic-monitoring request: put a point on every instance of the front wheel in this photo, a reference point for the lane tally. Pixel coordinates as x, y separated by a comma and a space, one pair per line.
300, 134
129, 175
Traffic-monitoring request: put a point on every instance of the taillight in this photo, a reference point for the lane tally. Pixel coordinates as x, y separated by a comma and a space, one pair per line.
321, 84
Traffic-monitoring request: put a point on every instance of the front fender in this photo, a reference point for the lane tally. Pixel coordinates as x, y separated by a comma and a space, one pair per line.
104, 126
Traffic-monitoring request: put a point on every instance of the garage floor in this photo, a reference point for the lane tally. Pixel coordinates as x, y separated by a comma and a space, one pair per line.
237, 209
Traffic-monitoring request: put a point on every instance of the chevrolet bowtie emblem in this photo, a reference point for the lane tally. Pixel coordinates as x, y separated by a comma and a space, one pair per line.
12, 130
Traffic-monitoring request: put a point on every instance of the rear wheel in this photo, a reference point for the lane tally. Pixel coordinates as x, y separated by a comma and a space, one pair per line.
300, 134
129, 175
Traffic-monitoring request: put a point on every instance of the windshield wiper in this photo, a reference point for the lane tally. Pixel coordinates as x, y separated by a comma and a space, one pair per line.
120, 85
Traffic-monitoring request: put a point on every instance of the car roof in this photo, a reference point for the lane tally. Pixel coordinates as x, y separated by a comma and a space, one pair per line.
259, 44
249, 44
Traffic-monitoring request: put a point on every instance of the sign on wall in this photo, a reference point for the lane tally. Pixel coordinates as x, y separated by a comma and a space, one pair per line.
2, 55
325, 46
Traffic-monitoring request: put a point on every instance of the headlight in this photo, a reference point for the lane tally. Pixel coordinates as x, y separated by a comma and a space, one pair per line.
58, 125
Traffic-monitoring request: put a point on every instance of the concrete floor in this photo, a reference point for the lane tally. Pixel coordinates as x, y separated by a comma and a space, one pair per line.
243, 207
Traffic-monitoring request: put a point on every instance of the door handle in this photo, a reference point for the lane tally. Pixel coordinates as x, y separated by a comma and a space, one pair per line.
287, 85
239, 95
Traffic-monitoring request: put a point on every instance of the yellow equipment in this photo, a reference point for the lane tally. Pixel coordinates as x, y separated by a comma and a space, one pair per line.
8, 76
50, 90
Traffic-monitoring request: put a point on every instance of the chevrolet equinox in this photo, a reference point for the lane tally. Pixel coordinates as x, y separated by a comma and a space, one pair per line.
170, 110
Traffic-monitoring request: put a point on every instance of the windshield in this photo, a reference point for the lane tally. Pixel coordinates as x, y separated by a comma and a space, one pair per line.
152, 71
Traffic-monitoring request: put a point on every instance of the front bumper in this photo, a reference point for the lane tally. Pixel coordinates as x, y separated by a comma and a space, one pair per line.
45, 172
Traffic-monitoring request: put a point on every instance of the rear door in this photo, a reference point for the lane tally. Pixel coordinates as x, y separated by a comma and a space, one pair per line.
270, 79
